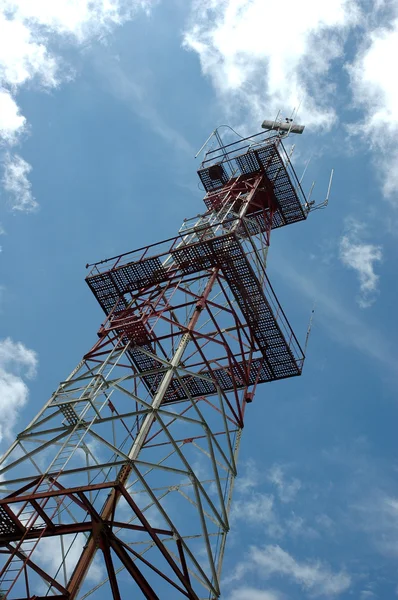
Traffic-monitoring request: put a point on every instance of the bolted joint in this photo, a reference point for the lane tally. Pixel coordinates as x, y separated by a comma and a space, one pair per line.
200, 304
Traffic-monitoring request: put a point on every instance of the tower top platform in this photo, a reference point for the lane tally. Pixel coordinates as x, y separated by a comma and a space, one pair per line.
258, 154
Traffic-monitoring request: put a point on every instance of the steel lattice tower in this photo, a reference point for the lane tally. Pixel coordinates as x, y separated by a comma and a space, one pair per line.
131, 462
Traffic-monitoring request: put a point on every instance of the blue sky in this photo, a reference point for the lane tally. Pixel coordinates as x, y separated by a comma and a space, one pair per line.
102, 108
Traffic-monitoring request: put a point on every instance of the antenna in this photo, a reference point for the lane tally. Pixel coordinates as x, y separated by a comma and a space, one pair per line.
296, 110
305, 169
307, 337
311, 190
288, 127
326, 201
329, 187
276, 119
206, 142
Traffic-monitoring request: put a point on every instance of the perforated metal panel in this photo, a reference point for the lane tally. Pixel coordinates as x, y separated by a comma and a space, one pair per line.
213, 177
266, 159
7, 524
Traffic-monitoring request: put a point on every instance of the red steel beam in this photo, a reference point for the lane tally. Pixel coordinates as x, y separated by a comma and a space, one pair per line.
134, 571
104, 545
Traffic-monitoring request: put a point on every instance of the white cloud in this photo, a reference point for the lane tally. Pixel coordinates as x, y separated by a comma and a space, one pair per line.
23, 54
375, 90
12, 123
366, 594
27, 31
80, 19
49, 551
361, 256
376, 514
16, 183
258, 509
313, 576
298, 527
275, 55
250, 478
16, 363
249, 593
287, 490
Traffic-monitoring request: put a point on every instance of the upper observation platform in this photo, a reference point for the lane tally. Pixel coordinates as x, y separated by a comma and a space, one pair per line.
259, 154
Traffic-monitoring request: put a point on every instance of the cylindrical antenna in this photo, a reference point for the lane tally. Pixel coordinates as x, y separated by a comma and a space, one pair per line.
287, 127
329, 186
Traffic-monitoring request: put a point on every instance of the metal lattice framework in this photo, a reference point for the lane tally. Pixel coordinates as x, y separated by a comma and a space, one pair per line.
127, 473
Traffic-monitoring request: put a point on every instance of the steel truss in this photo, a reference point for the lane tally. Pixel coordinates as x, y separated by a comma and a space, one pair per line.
133, 458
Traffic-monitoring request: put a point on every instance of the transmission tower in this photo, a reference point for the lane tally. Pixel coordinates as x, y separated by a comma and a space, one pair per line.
124, 479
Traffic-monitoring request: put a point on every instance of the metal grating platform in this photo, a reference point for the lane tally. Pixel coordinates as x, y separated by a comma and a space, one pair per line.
282, 356
113, 284
265, 159
207, 384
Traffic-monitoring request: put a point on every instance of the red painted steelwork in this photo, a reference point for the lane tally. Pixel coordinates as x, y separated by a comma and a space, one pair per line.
192, 327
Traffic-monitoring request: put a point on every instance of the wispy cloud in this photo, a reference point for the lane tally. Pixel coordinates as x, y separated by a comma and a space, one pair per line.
312, 576
27, 32
287, 489
128, 90
16, 183
249, 593
249, 479
340, 323
267, 510
367, 595
376, 514
258, 509
357, 254
17, 363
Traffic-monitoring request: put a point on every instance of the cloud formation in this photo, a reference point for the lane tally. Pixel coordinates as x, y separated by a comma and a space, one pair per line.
251, 66
263, 56
16, 183
361, 256
287, 489
249, 593
11, 121
249, 479
375, 91
376, 514
27, 33
313, 576
49, 550
17, 363
258, 509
